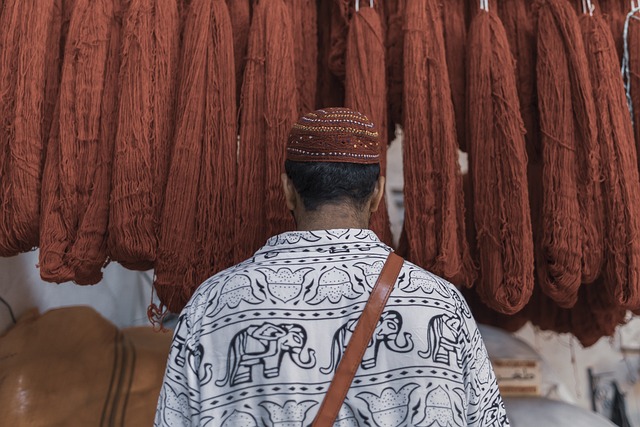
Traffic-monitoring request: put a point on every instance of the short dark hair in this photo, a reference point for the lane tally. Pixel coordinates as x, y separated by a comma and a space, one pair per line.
321, 183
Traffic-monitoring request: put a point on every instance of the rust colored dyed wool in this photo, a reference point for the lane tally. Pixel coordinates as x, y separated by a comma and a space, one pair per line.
75, 198
395, 64
240, 14
150, 46
619, 164
518, 25
454, 17
268, 111
29, 64
572, 241
304, 21
633, 44
434, 235
197, 221
499, 169
366, 90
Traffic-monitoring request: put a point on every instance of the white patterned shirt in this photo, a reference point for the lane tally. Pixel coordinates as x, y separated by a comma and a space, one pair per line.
258, 344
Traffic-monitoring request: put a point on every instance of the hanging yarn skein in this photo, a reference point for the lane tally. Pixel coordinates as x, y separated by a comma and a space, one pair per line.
196, 238
498, 164
240, 14
304, 19
29, 37
631, 66
145, 127
75, 204
395, 65
619, 163
365, 87
571, 242
434, 231
455, 39
614, 13
329, 88
88, 255
518, 25
269, 109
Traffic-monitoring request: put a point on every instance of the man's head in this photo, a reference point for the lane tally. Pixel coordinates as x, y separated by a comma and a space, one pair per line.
332, 166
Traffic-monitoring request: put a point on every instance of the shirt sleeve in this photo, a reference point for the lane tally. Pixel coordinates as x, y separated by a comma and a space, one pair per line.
179, 401
484, 403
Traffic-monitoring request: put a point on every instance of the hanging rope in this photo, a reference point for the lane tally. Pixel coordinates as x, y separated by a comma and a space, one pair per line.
499, 169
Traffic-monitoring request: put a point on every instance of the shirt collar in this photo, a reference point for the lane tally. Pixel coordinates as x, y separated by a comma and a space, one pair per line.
336, 236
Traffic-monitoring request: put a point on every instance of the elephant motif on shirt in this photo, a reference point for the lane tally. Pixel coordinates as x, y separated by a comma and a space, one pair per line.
443, 335
265, 345
387, 331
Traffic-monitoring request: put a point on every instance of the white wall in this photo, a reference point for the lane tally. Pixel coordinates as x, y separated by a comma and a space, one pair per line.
122, 296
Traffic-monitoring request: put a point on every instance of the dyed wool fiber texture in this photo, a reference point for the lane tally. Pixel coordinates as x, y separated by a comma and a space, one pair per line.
516, 18
619, 164
395, 64
75, 203
268, 111
329, 88
571, 242
590, 319
240, 14
29, 36
455, 39
633, 40
487, 316
366, 91
481, 312
498, 163
304, 18
196, 237
593, 317
434, 235
150, 46
614, 13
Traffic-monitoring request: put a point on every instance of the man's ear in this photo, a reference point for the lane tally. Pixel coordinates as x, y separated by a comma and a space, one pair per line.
290, 194
378, 194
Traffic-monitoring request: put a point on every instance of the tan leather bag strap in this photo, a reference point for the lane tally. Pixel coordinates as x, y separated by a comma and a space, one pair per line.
358, 343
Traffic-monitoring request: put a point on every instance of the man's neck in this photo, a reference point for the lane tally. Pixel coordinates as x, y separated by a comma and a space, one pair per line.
332, 216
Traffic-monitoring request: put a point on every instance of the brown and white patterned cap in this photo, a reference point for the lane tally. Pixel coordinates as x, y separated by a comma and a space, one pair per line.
334, 135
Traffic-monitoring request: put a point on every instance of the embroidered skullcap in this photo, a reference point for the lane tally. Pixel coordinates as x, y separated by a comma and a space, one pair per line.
334, 135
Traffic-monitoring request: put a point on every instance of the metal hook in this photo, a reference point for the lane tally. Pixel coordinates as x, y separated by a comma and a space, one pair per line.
587, 7
484, 5
358, 5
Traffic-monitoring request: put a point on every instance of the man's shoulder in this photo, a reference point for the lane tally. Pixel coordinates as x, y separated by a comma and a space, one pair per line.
420, 277
211, 287
419, 281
